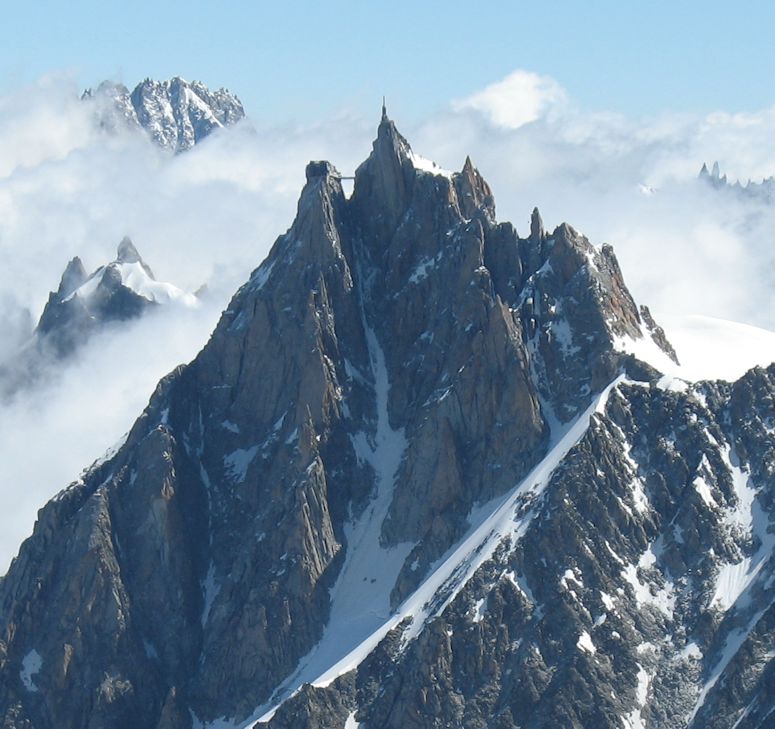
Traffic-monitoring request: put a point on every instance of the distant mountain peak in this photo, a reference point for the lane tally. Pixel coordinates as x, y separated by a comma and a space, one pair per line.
74, 276
126, 252
175, 114
121, 289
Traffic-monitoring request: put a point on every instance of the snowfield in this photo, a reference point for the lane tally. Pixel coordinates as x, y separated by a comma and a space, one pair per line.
716, 349
707, 348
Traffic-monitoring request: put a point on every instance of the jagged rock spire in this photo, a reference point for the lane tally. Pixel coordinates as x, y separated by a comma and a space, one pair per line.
472, 190
74, 276
536, 227
127, 253
383, 183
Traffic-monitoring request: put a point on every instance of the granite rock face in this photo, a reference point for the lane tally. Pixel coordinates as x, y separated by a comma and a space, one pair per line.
175, 114
412, 480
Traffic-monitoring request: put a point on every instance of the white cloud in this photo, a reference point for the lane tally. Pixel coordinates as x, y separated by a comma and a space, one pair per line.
518, 99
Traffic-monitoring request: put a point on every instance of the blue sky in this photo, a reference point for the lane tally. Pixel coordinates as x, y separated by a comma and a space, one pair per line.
306, 60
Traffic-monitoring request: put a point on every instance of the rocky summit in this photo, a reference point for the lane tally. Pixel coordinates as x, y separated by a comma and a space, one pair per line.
425, 473
84, 304
175, 114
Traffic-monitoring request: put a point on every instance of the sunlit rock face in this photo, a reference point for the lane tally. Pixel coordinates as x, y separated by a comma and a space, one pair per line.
412, 480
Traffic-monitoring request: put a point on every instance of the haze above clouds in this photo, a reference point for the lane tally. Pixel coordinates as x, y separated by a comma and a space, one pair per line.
211, 214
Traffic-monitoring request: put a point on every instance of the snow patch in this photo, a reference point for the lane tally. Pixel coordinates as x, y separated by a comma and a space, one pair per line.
238, 461
732, 645
31, 665
585, 643
521, 584
479, 610
691, 652
702, 488
661, 598
423, 268
360, 598
634, 720
425, 165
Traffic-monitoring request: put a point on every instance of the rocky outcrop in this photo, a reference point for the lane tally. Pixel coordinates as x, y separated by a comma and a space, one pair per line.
175, 114
415, 434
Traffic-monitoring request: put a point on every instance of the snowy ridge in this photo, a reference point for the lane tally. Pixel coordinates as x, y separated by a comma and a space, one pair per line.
426, 165
708, 348
504, 518
136, 278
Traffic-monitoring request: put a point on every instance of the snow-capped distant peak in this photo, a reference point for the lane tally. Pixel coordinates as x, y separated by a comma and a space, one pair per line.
131, 272
176, 114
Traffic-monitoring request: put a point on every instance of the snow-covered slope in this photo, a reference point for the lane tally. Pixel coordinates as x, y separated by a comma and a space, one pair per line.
136, 277
707, 348
710, 348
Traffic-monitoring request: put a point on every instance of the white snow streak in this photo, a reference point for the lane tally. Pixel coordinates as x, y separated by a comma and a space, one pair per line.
585, 643
360, 599
237, 462
505, 520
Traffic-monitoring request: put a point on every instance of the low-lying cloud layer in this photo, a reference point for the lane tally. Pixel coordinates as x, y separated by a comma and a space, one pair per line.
211, 214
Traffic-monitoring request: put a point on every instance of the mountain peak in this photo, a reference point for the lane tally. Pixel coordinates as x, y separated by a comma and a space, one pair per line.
399, 363
176, 114
126, 251
536, 226
119, 290
74, 276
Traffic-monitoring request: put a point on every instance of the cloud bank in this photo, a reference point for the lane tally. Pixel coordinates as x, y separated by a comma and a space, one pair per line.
211, 214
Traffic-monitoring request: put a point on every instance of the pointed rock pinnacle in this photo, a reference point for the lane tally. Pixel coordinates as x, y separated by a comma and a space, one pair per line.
536, 226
